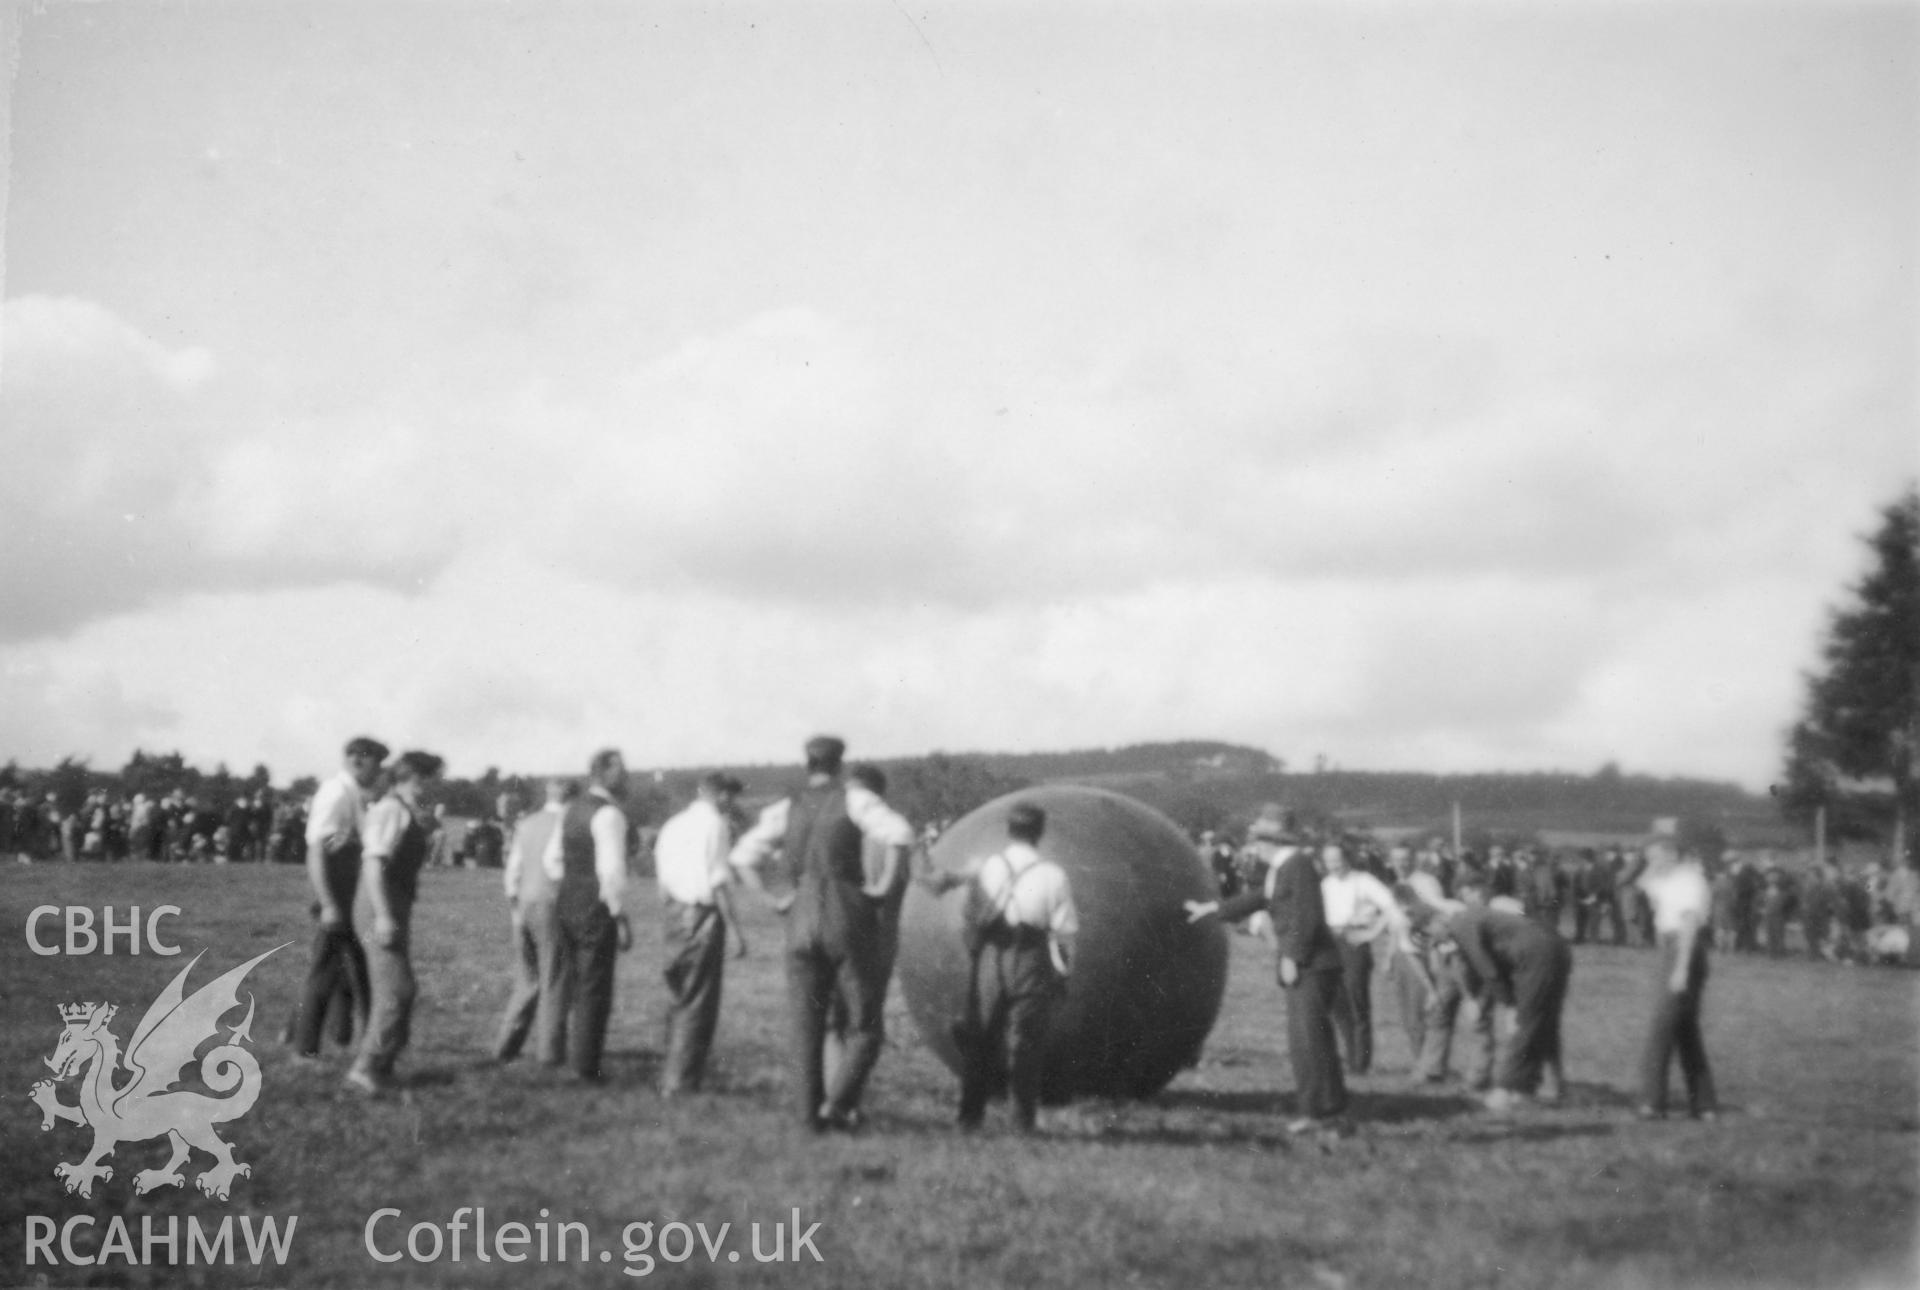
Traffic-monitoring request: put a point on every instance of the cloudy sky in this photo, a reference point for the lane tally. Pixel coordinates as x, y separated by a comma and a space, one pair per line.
1425, 387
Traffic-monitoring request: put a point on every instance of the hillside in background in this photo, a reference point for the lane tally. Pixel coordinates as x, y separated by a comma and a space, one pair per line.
1201, 784
1206, 784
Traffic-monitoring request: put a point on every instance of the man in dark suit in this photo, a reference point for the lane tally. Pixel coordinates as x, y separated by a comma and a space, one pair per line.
1309, 973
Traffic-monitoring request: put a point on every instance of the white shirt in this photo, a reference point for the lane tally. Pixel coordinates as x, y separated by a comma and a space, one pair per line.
1029, 891
339, 808
382, 826
690, 855
609, 852
523, 869
1359, 907
876, 821
1427, 887
1680, 895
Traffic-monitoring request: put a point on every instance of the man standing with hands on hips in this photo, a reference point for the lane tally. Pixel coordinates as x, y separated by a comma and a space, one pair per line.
833, 924
1310, 969
587, 862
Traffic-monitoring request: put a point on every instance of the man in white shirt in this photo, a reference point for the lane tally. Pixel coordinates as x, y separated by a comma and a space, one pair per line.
833, 924
394, 840
531, 914
1682, 900
587, 863
337, 972
1021, 970
692, 869
1360, 910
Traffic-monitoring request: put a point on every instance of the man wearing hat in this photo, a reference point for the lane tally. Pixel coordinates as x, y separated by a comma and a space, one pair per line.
1310, 970
338, 968
690, 865
833, 924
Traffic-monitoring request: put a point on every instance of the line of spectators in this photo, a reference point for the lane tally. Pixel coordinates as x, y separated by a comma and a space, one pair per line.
171, 828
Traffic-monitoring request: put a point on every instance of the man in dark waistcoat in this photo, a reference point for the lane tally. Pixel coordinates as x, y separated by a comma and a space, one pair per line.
1309, 970
834, 925
394, 849
587, 862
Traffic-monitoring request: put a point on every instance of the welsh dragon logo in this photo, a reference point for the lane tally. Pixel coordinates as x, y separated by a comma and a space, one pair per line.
147, 1105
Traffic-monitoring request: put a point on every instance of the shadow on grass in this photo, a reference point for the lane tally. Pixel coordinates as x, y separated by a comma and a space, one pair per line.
1365, 1107
1493, 1129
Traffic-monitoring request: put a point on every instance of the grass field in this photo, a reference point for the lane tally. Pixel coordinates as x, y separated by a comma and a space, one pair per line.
1809, 1182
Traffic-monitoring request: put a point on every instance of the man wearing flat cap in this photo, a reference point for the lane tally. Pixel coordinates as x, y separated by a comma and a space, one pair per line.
833, 924
338, 968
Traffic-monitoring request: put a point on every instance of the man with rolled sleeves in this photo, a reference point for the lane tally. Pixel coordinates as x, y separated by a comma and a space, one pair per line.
586, 860
337, 971
833, 925
691, 866
1310, 970
536, 960
1021, 970
394, 843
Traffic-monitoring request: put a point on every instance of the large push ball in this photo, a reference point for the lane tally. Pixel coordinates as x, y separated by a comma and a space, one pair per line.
1146, 984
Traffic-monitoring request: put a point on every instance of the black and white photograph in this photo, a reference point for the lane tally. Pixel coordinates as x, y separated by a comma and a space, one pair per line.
958, 644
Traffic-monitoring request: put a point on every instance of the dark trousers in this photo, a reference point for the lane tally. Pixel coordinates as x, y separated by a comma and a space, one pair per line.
535, 972
1353, 1011
886, 949
1015, 987
818, 970
1539, 996
336, 981
696, 941
1776, 925
1319, 1089
1676, 1030
586, 946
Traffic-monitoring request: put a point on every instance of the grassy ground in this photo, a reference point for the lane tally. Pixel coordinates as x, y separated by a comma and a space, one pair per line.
1810, 1182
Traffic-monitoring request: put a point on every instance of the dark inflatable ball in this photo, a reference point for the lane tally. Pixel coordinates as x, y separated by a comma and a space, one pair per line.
1146, 984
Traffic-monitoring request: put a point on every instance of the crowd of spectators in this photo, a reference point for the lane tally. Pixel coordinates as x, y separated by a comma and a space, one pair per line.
1824, 910
175, 827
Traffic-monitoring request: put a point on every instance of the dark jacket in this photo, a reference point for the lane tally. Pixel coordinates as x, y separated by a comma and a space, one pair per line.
1299, 919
